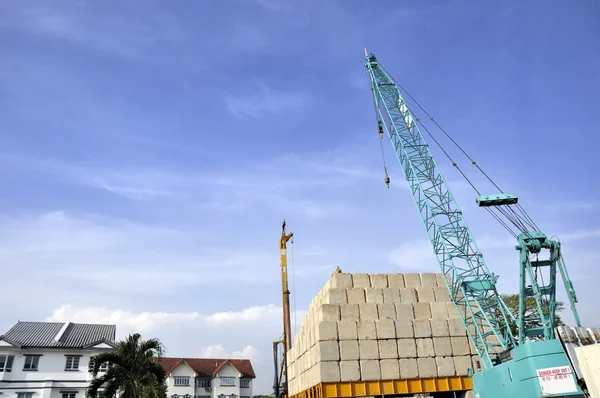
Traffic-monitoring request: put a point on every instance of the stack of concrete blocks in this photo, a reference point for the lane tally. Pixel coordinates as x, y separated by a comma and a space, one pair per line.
362, 327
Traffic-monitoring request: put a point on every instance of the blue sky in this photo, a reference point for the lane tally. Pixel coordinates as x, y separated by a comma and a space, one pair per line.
150, 151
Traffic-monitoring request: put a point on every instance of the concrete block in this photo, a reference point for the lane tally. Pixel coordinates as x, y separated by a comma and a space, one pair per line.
439, 327
407, 348
347, 330
412, 280
343, 280
335, 295
329, 312
441, 294
385, 328
374, 295
422, 310
425, 295
390, 369
460, 346
407, 295
405, 311
462, 365
368, 349
356, 295
425, 348
366, 330
369, 369
327, 372
367, 311
361, 280
452, 312
439, 310
442, 347
350, 312
409, 368
472, 348
327, 351
429, 279
396, 280
404, 329
327, 331
350, 371
422, 328
349, 350
427, 367
456, 327
391, 295
469, 394
379, 280
440, 279
386, 311
388, 349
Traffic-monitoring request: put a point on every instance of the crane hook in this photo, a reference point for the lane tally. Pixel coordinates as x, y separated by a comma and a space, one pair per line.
387, 180
380, 127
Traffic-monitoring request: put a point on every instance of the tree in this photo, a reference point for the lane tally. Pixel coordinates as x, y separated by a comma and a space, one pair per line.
512, 301
134, 370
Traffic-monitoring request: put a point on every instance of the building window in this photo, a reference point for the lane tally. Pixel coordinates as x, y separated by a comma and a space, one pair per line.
31, 362
228, 381
244, 396
181, 380
244, 383
72, 364
103, 367
6, 362
24, 395
68, 394
202, 382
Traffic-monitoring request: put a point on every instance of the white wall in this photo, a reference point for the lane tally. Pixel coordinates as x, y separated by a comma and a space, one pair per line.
216, 388
181, 370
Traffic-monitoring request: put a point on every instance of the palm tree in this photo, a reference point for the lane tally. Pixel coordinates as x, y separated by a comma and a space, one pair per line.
133, 370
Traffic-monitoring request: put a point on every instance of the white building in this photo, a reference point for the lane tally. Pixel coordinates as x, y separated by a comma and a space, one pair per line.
50, 359
208, 378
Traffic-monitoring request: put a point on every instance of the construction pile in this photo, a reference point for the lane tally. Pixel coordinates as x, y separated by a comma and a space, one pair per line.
364, 327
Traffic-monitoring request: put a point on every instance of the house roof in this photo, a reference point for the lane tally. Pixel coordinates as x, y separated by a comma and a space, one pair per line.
209, 367
59, 335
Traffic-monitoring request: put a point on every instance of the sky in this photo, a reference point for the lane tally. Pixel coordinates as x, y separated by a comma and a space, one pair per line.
150, 151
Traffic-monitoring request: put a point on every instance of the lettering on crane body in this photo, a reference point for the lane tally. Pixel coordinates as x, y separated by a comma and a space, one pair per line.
556, 380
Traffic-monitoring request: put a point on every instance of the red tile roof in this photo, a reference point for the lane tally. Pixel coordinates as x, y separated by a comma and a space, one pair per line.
208, 367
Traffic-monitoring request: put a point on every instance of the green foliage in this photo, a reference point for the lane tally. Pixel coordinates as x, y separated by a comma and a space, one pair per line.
134, 371
512, 301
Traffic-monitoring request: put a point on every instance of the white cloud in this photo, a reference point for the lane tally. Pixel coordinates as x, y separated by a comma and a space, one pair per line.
263, 100
414, 256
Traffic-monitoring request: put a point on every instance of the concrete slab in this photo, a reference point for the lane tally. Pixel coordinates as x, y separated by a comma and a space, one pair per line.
422, 310
396, 280
368, 312
407, 295
457, 328
412, 280
405, 311
439, 310
390, 369
391, 295
374, 295
347, 330
425, 348
441, 294
368, 349
409, 368
427, 367
422, 328
462, 365
404, 329
361, 280
356, 295
369, 369
349, 371
379, 280
366, 330
327, 331
335, 295
326, 351
388, 349
425, 295
386, 311
407, 348
385, 329
439, 277
460, 346
350, 312
349, 350
472, 348
429, 279
343, 280
326, 372
442, 347
439, 327
329, 312
452, 312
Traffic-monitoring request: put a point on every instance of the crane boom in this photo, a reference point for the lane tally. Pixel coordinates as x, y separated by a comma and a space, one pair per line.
471, 285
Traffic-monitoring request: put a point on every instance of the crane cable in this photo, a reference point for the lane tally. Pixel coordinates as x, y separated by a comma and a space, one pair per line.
380, 128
